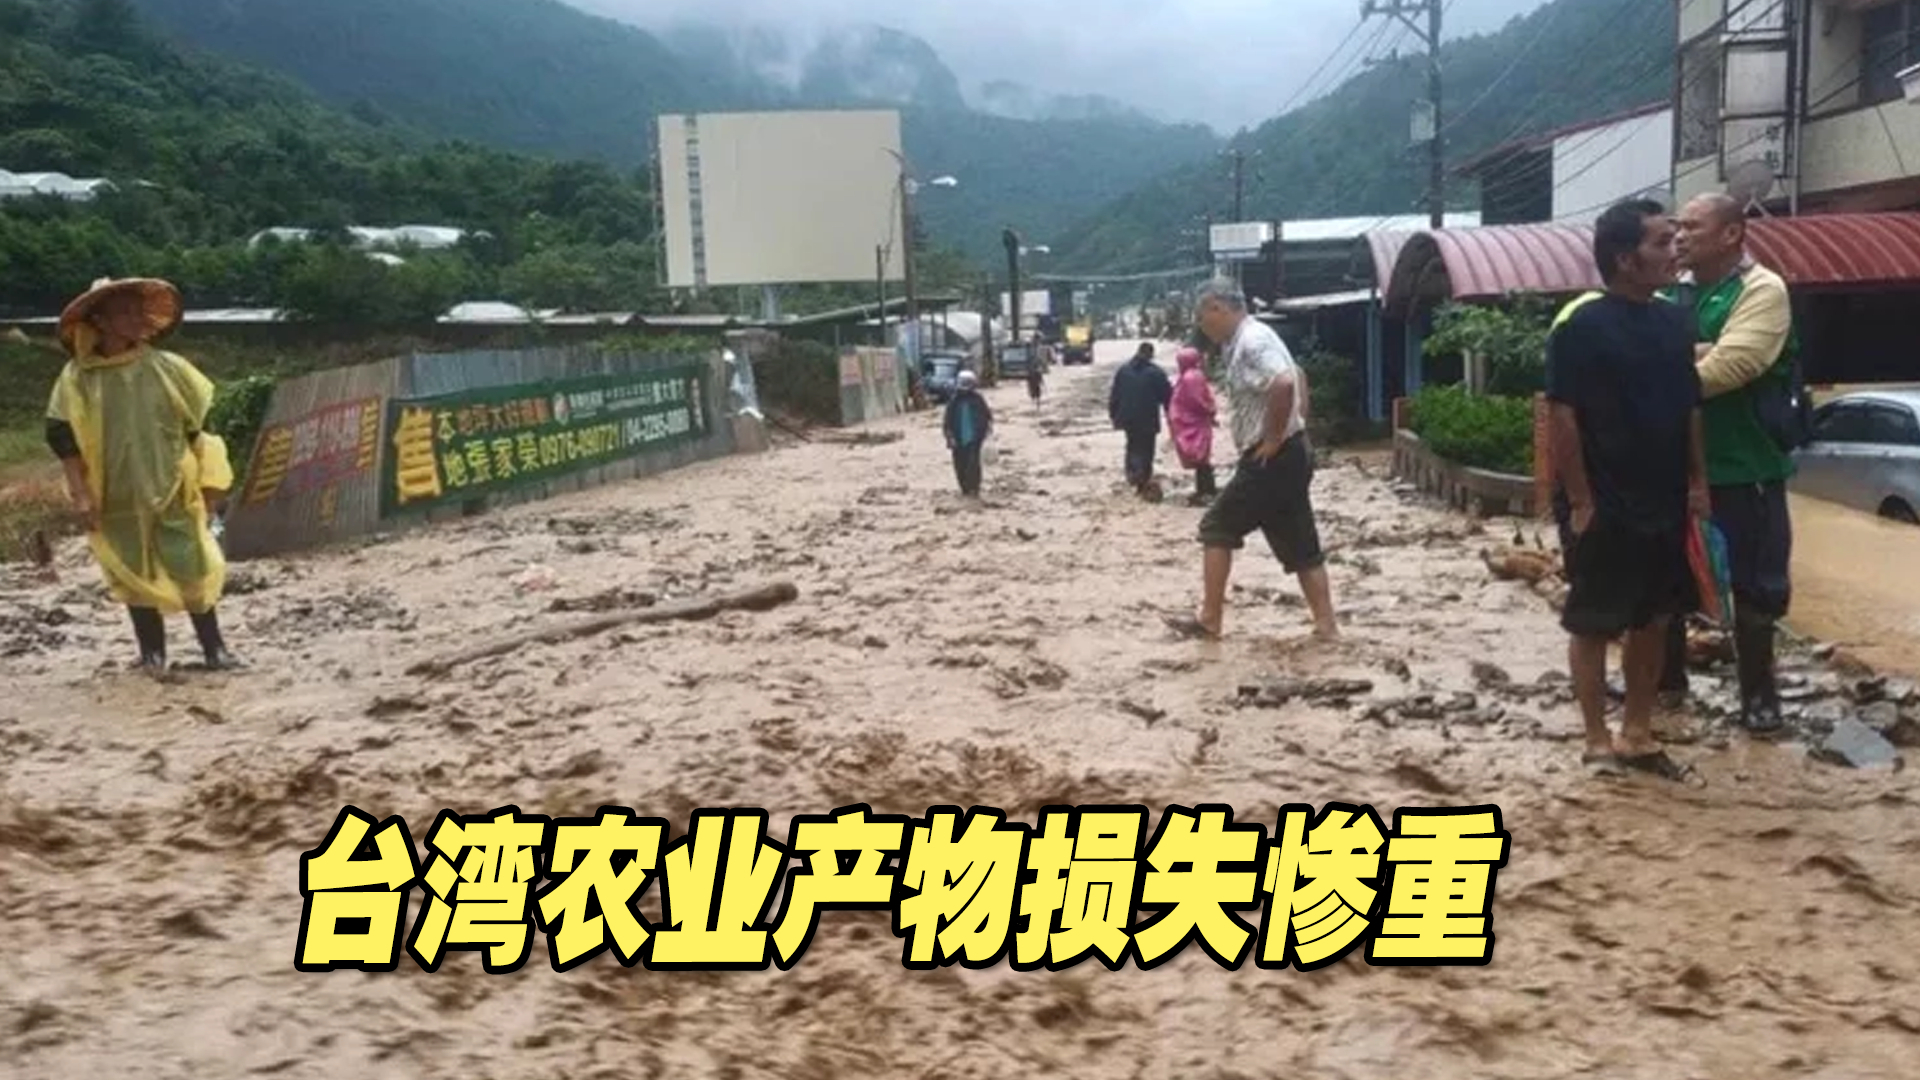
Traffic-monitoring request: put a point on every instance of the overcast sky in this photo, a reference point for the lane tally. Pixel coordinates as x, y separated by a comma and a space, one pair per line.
1221, 62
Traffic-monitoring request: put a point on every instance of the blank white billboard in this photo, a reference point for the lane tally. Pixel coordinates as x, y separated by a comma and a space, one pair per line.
780, 198
1032, 304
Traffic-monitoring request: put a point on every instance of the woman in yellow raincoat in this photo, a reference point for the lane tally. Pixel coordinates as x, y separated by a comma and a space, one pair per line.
126, 421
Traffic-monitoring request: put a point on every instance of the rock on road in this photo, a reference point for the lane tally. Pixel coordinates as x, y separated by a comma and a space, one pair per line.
1007, 654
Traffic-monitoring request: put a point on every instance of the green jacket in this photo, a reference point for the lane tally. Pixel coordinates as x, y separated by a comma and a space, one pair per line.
1748, 319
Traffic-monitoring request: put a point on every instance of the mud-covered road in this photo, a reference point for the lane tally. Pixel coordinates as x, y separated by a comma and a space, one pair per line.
1008, 654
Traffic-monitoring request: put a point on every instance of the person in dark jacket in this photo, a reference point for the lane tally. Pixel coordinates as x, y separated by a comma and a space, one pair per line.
1141, 393
968, 423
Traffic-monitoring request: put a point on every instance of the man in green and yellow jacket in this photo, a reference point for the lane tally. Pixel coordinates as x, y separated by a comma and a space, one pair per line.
1746, 362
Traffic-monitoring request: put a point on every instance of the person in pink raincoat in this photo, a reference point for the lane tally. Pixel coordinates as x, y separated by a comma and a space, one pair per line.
1192, 415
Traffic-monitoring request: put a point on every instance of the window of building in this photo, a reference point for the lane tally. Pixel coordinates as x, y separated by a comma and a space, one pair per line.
1700, 88
1889, 43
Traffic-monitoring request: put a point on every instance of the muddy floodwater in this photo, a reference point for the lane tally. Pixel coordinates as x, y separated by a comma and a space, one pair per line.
1856, 582
1008, 654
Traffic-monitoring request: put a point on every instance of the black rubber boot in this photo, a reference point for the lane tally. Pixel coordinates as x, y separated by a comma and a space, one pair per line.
1673, 670
1753, 640
150, 630
213, 645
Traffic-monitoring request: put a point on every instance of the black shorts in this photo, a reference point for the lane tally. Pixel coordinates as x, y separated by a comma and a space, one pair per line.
1753, 518
1624, 579
1275, 499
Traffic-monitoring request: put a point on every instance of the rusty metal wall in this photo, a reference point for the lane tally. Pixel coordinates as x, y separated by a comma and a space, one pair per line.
302, 491
287, 503
870, 384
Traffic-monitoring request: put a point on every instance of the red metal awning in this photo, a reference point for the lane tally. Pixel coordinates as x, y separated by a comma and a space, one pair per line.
1815, 251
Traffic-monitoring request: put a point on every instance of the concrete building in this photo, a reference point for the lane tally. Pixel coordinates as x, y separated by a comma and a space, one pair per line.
1569, 175
1799, 103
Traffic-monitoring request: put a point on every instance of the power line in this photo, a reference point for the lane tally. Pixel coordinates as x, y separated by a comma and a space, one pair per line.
1546, 23
1528, 173
1301, 93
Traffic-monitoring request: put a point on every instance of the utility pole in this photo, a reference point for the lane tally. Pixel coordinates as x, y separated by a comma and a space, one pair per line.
1011, 241
1239, 184
1408, 11
880, 271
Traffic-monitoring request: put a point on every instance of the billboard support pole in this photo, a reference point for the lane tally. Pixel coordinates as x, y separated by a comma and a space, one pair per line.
906, 252
880, 273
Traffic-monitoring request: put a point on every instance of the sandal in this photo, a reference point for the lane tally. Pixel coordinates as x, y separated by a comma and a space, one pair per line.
1598, 764
1189, 627
1662, 766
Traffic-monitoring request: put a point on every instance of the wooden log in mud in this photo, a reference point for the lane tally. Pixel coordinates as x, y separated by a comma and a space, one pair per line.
765, 598
858, 438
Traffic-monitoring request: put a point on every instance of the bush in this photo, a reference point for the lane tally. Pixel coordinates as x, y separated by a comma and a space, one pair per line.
1336, 412
1479, 431
239, 408
1513, 340
801, 378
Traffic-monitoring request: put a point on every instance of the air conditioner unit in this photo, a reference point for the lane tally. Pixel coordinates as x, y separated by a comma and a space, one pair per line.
1910, 83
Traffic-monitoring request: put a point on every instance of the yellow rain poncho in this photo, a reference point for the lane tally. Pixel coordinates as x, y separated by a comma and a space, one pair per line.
131, 415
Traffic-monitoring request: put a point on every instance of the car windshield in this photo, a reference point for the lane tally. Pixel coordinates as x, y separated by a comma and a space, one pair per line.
945, 367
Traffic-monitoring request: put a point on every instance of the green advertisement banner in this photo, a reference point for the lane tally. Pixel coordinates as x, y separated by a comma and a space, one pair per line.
462, 446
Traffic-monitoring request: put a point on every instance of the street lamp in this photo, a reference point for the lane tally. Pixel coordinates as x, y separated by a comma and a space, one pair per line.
909, 187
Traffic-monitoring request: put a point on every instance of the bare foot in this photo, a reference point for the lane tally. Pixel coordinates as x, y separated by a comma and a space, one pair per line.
1326, 632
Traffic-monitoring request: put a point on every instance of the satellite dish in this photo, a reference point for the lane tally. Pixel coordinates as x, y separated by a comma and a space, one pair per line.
1750, 181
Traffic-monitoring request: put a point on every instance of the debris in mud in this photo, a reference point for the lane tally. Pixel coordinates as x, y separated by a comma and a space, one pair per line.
618, 597
359, 609
1422, 778
1519, 564
1336, 693
1398, 668
1457, 708
961, 660
388, 708
247, 579
1707, 647
190, 924
1030, 673
1853, 745
1146, 713
1490, 675
884, 496
615, 522
536, 578
26, 630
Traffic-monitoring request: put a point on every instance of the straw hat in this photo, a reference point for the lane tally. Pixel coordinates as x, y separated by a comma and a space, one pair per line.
161, 299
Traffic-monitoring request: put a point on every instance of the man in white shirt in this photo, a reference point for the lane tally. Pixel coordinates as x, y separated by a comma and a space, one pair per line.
1270, 489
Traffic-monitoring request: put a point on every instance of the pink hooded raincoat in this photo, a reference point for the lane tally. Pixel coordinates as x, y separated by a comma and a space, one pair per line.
1192, 412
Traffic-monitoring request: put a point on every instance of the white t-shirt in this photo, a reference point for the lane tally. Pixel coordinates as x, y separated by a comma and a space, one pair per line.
1255, 357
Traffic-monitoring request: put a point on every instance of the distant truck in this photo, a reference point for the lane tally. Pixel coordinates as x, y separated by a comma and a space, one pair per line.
1079, 344
1016, 360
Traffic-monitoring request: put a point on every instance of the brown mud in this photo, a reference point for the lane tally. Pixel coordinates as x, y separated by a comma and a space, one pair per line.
1009, 654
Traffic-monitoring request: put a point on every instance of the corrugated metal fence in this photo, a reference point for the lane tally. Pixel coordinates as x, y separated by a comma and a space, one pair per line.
425, 438
871, 385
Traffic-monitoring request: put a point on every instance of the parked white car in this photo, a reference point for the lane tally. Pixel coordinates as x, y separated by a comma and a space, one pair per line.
1865, 454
